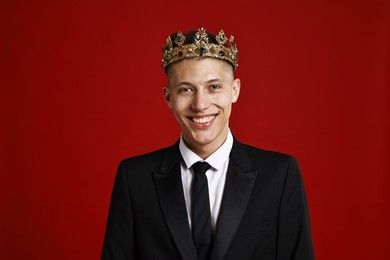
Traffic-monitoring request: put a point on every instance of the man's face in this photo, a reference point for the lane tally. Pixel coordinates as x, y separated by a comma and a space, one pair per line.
200, 93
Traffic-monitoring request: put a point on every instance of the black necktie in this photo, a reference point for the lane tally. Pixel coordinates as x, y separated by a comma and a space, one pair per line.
202, 232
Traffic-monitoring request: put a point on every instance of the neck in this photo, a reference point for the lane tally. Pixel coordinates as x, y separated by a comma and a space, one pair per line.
205, 150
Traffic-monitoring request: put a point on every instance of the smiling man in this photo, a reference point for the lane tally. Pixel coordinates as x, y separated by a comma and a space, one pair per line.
201, 92
208, 197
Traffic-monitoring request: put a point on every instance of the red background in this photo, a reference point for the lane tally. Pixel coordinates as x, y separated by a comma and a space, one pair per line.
81, 89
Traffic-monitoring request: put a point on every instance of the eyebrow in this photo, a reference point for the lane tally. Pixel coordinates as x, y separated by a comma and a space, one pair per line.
214, 80
186, 83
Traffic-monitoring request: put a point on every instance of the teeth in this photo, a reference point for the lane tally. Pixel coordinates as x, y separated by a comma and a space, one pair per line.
203, 120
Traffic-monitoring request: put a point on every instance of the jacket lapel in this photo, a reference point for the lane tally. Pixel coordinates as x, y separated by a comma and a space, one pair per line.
238, 188
170, 193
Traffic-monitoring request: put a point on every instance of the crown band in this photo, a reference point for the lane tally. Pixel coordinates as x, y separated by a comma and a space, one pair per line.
199, 46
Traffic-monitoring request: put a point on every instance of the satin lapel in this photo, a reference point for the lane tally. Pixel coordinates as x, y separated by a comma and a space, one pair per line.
170, 193
238, 188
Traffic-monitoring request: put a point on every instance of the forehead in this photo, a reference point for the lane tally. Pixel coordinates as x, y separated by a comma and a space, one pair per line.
199, 69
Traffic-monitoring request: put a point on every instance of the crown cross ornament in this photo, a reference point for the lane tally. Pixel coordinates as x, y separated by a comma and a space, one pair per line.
198, 45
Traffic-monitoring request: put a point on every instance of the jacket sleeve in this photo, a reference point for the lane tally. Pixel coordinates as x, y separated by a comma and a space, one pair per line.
294, 231
119, 241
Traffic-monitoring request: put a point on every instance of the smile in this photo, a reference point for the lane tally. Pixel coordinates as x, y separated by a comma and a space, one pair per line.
202, 120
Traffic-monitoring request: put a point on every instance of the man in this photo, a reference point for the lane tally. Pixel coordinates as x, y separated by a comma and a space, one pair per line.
208, 197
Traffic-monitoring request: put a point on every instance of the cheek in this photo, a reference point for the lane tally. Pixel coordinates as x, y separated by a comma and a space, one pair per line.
179, 105
224, 102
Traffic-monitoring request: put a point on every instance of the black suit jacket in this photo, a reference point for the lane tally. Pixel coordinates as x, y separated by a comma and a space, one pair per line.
263, 215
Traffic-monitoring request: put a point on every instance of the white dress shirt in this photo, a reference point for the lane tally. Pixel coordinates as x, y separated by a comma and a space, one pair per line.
216, 176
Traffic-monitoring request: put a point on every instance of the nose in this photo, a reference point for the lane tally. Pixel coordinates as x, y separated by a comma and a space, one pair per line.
200, 101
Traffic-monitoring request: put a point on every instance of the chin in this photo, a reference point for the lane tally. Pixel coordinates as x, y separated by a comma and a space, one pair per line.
203, 138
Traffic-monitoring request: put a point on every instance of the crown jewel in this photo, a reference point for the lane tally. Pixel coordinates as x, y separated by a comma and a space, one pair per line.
198, 45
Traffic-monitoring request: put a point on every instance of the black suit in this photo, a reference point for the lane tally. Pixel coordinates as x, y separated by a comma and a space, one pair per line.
263, 215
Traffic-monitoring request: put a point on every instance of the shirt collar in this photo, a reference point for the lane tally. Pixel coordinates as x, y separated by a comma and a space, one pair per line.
216, 159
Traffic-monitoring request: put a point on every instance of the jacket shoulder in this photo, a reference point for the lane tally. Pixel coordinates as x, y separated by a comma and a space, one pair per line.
150, 161
268, 153
267, 157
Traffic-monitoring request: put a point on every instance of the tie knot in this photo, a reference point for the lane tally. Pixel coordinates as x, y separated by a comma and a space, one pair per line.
201, 167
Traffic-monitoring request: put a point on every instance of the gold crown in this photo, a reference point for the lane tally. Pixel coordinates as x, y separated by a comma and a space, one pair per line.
184, 47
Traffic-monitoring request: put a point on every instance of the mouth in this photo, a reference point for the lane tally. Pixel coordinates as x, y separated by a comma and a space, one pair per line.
202, 120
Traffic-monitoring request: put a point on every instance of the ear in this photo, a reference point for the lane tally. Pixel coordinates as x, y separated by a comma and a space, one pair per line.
167, 96
236, 90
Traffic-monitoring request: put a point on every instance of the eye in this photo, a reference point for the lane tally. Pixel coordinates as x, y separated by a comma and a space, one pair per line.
184, 90
215, 87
